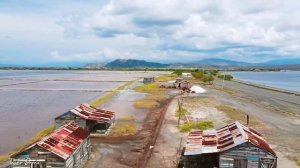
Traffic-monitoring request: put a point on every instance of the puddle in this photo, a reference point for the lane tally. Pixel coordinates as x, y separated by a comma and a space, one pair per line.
123, 105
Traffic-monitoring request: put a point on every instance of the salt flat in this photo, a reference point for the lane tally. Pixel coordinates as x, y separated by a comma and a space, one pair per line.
30, 100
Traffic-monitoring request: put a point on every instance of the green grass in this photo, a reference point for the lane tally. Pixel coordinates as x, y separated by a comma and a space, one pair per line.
181, 112
127, 119
203, 125
146, 104
153, 99
297, 162
166, 78
121, 130
225, 76
148, 88
40, 135
106, 98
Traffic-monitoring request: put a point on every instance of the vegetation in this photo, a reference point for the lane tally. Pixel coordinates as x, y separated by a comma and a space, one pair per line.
40, 135
127, 119
207, 78
153, 99
225, 76
146, 104
127, 129
203, 75
148, 88
237, 115
203, 125
109, 96
181, 112
166, 78
198, 75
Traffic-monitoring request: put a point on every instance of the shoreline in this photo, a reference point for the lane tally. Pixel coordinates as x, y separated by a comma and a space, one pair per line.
267, 87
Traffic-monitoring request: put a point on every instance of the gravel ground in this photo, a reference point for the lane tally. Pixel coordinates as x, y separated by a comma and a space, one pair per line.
277, 111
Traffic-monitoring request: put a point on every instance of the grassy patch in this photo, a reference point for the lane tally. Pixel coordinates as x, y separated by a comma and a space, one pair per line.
181, 112
297, 162
166, 78
40, 135
104, 99
203, 125
148, 88
146, 104
121, 130
123, 87
237, 115
153, 99
4, 158
127, 119
110, 95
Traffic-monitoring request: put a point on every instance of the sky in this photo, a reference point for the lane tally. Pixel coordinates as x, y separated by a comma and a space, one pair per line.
44, 32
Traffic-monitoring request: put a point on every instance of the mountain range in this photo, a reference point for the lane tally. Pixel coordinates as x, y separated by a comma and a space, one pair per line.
204, 63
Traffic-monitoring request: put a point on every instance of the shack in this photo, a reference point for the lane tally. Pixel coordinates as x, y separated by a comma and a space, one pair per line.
233, 146
148, 80
182, 84
186, 75
94, 120
67, 147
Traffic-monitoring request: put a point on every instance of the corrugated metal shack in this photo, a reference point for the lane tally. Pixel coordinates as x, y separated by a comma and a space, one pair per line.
94, 120
148, 80
69, 147
233, 146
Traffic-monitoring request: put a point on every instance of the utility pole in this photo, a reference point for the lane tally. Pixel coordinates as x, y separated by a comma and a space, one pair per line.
179, 111
223, 80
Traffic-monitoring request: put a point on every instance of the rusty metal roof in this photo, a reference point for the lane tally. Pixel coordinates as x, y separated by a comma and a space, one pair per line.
225, 138
90, 113
62, 142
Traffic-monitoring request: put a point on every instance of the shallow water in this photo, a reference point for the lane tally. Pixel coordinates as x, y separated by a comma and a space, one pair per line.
30, 100
287, 80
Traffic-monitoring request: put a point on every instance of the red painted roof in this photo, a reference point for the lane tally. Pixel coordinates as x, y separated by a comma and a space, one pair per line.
90, 113
63, 142
232, 135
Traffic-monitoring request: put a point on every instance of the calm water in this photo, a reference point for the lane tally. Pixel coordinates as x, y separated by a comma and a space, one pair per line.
288, 80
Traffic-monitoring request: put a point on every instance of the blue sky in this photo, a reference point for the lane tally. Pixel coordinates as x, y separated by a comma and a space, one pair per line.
35, 32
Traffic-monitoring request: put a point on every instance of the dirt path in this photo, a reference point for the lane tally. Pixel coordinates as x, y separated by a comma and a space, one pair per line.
279, 111
166, 150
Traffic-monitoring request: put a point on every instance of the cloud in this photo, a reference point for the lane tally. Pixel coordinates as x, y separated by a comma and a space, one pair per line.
170, 31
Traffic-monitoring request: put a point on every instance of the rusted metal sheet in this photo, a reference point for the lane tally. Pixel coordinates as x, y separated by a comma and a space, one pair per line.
64, 141
223, 139
90, 113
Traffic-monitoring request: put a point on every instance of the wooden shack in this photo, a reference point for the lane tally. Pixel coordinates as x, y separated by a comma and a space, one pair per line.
148, 80
68, 147
96, 121
233, 146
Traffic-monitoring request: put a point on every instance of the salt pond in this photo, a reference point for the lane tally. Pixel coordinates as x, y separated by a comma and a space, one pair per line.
30, 100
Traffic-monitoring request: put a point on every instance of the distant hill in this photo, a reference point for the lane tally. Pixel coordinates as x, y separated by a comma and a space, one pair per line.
133, 63
212, 63
220, 62
276, 62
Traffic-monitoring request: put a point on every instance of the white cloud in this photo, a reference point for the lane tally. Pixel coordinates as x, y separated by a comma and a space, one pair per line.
170, 30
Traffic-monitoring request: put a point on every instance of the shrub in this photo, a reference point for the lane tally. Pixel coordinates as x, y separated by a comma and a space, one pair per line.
181, 112
227, 76
120, 130
198, 75
203, 125
207, 78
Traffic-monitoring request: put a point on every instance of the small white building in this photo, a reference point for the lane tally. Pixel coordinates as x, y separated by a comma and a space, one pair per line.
186, 75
